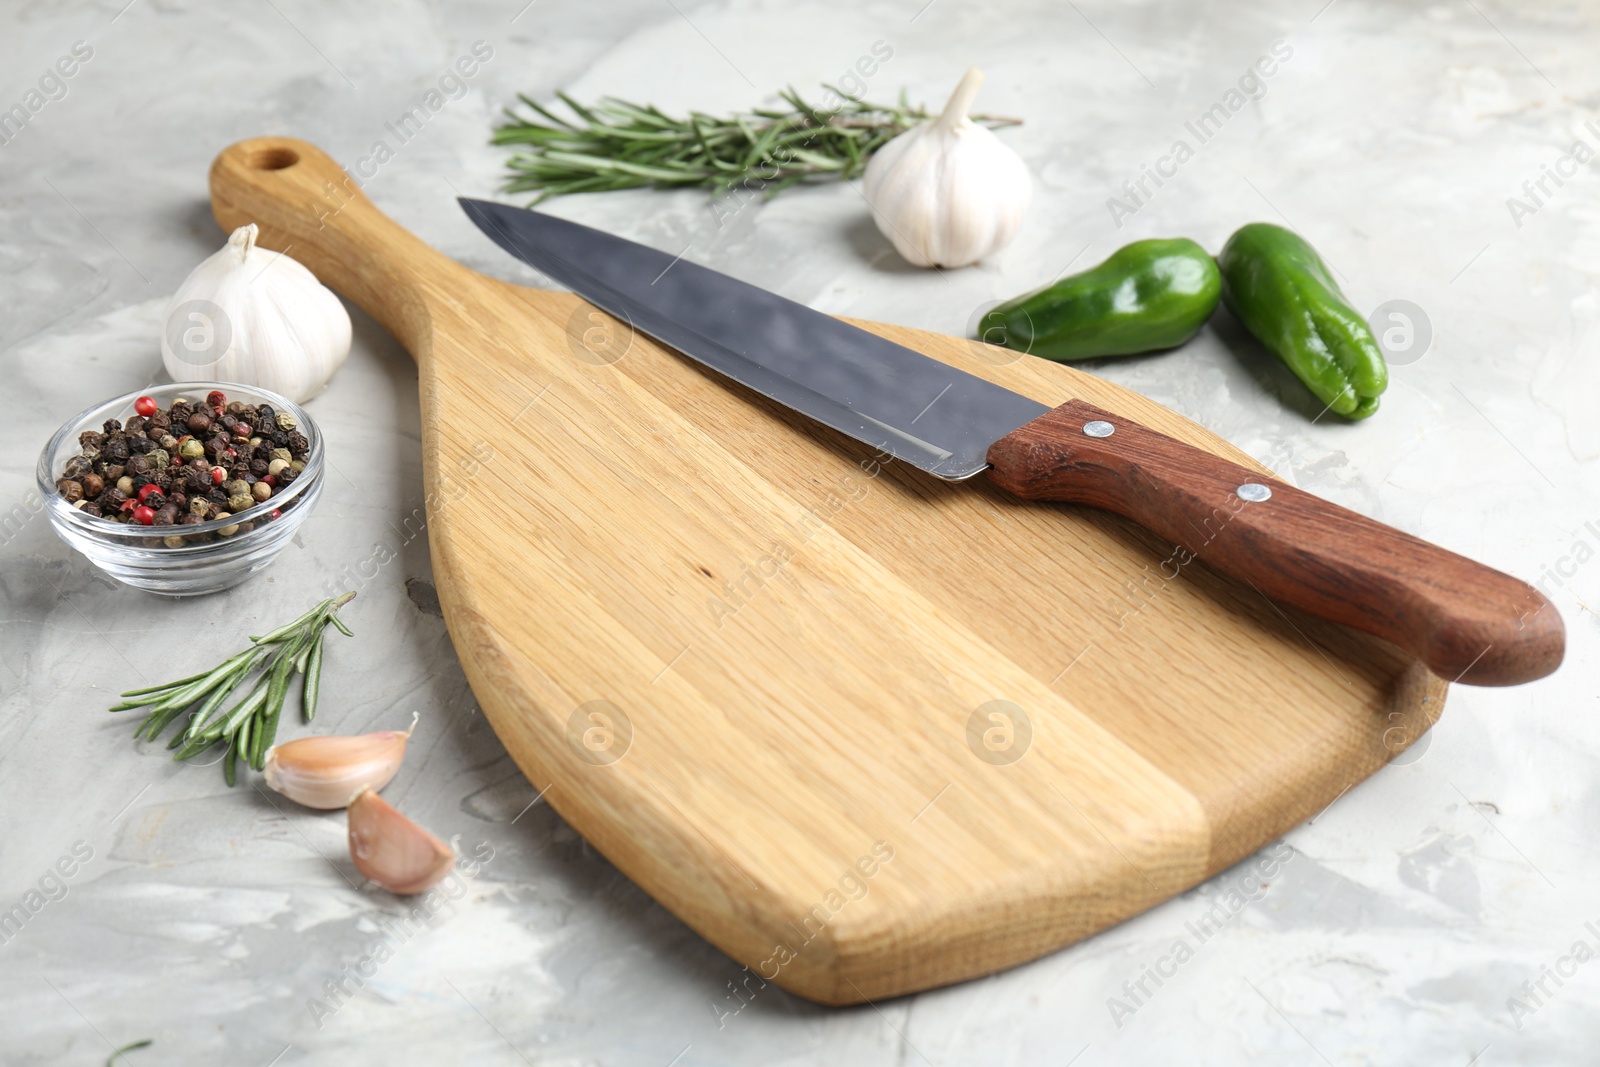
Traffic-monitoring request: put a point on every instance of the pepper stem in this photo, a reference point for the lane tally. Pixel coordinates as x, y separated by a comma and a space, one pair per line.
960, 104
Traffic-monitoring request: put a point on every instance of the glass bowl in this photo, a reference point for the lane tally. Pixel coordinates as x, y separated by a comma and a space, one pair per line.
182, 560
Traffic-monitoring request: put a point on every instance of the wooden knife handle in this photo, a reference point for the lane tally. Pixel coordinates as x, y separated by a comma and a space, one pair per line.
1467, 622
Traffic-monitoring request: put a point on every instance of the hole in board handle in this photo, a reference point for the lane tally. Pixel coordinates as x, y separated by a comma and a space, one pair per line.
273, 158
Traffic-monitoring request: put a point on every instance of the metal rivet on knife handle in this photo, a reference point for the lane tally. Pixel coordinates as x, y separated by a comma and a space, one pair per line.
1099, 428
1254, 492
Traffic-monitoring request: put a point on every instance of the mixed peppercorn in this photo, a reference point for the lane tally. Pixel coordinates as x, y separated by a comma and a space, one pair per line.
194, 462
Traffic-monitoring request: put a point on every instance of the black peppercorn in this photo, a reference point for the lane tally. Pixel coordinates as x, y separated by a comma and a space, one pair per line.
258, 467
70, 491
134, 425
298, 445
111, 426
93, 485
116, 450
286, 476
112, 499
91, 439
138, 465
76, 467
166, 514
140, 445
199, 422
91, 508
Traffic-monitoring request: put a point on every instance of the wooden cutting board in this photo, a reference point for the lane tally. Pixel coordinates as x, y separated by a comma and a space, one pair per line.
866, 731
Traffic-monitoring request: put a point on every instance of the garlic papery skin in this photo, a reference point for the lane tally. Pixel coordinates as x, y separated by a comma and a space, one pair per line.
392, 850
256, 317
325, 772
948, 192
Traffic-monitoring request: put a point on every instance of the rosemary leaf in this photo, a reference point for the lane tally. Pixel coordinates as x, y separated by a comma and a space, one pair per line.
313, 681
117, 1054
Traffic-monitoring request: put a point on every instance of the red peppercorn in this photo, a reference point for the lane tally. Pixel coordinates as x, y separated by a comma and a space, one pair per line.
276, 514
146, 406
143, 515
146, 490
216, 399
218, 475
270, 480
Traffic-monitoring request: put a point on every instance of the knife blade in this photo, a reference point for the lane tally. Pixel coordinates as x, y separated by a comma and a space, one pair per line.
928, 413
1465, 621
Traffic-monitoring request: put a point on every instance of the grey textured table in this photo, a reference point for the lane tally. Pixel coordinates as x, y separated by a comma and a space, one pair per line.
214, 921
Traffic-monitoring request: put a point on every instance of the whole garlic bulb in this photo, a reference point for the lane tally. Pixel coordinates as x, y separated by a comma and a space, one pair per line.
256, 317
948, 192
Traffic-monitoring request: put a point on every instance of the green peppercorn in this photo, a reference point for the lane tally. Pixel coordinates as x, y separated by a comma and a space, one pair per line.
159, 459
286, 421
191, 449
238, 502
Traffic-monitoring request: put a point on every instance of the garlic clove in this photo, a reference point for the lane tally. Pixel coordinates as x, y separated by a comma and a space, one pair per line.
325, 772
392, 850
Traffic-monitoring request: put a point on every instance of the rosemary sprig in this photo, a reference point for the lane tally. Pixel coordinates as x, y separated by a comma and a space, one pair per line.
615, 144
248, 727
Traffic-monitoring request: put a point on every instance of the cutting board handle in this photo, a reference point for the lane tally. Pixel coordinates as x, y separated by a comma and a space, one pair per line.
312, 209
1467, 622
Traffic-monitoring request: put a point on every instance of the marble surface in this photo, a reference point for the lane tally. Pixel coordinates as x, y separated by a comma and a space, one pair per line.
211, 920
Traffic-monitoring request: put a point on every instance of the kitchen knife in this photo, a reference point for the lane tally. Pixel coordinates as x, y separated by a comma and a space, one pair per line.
1465, 621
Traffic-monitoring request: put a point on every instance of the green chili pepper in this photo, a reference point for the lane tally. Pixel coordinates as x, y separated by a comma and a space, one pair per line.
1148, 295
1277, 285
